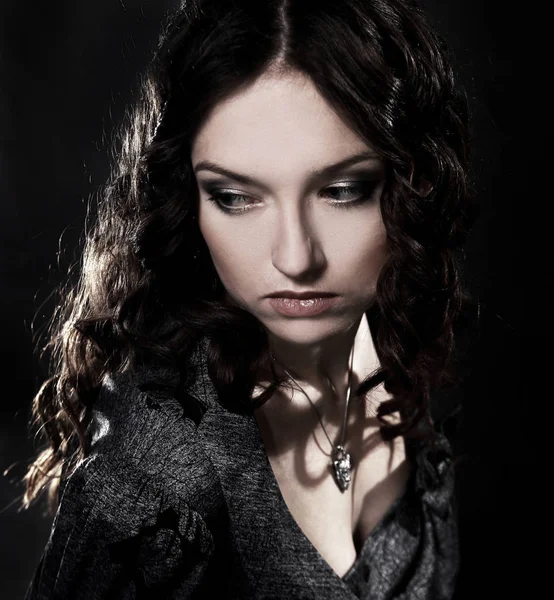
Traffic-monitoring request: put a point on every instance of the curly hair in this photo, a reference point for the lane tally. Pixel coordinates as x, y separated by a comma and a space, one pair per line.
388, 74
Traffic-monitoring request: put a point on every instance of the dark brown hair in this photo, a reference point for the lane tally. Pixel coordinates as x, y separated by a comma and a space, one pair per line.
388, 74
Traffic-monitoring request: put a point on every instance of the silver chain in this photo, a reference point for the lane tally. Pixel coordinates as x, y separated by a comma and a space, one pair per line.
343, 430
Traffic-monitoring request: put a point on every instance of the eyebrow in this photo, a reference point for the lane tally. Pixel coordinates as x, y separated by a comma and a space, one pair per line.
206, 165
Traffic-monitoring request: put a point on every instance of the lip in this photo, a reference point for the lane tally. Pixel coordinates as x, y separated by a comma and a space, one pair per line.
307, 307
301, 295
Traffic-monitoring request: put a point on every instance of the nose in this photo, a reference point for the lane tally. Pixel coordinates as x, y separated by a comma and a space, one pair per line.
296, 251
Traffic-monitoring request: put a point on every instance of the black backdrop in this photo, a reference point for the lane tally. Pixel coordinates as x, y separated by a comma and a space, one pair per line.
68, 70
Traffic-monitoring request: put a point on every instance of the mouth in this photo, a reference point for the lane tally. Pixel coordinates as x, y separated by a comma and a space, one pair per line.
302, 307
309, 295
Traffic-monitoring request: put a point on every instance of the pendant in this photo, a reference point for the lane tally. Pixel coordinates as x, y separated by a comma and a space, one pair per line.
342, 463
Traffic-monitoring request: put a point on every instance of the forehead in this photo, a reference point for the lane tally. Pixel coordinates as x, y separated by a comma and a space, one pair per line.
277, 121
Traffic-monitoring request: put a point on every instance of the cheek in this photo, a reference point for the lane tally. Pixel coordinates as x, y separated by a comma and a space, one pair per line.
370, 246
232, 259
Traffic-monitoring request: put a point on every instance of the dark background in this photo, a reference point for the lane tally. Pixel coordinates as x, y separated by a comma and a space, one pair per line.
69, 68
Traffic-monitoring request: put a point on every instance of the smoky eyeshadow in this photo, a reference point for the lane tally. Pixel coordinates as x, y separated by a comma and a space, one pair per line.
366, 174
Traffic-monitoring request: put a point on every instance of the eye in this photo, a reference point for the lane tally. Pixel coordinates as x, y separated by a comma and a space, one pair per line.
343, 195
348, 194
225, 201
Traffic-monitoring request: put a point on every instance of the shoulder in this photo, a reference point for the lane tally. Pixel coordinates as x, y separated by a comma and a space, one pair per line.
121, 532
144, 433
139, 512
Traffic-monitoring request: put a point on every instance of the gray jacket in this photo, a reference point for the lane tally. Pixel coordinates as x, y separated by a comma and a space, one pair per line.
178, 500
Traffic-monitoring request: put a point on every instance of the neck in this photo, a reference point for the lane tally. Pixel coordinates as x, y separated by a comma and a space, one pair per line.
325, 366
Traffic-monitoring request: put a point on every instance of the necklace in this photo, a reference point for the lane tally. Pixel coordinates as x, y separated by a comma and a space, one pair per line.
341, 460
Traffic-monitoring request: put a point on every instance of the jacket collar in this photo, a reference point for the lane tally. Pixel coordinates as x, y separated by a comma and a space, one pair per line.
201, 386
270, 545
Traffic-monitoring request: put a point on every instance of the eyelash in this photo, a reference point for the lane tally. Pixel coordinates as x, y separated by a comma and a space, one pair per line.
367, 188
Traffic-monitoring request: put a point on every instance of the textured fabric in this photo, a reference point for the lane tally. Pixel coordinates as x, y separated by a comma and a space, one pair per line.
178, 500
413, 552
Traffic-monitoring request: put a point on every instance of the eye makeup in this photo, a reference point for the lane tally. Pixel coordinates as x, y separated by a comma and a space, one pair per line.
359, 192
348, 164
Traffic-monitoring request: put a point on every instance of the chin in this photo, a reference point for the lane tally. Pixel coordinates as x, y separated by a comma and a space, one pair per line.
306, 331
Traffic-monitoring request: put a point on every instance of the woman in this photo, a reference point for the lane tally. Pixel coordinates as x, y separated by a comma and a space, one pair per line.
243, 379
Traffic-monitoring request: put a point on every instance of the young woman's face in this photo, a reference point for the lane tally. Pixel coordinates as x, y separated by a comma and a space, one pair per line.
276, 216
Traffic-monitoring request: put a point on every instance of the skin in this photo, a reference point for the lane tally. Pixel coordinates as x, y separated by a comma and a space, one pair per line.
292, 235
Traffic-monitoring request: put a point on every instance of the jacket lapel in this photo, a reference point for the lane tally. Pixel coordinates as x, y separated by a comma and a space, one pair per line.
275, 556
232, 442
